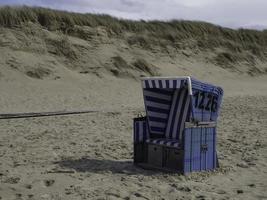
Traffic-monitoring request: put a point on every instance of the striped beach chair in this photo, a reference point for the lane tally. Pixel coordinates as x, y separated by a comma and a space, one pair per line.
179, 130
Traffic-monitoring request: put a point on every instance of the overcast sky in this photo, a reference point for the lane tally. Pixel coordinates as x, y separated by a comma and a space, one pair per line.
230, 13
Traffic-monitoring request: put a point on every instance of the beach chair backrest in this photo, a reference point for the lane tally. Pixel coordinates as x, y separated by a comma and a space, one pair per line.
179, 113
160, 96
158, 103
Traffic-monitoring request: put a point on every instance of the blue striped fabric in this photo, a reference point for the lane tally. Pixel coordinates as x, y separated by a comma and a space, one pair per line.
165, 142
163, 83
141, 132
178, 114
167, 105
199, 85
157, 103
195, 159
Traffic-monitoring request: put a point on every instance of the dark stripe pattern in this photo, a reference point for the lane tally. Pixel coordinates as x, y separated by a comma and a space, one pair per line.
163, 83
141, 132
165, 142
178, 114
166, 108
158, 103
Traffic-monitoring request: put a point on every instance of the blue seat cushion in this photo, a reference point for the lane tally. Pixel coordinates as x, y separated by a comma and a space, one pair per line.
164, 142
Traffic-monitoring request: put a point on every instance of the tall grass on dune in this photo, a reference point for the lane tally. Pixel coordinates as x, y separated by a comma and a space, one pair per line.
146, 33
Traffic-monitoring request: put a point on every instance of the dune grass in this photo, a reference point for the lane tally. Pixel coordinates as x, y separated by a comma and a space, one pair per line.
205, 36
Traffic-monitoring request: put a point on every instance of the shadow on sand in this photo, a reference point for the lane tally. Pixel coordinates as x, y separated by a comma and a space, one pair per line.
103, 165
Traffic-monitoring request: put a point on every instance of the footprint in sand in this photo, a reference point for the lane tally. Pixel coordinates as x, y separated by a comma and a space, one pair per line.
220, 191
239, 191
19, 196
49, 182
28, 186
251, 185
200, 197
184, 188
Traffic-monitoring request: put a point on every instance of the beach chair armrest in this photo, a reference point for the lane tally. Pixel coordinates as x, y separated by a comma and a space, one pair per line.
140, 132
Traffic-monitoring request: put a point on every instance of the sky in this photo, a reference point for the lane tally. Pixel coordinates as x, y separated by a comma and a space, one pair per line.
228, 13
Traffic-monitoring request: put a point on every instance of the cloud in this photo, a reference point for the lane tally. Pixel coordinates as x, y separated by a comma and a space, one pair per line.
231, 13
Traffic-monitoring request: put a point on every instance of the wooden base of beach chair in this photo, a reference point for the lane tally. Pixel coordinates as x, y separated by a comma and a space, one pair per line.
147, 166
166, 158
173, 159
140, 153
153, 156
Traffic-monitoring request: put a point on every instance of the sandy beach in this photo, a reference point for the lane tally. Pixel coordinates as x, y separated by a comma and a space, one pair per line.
89, 156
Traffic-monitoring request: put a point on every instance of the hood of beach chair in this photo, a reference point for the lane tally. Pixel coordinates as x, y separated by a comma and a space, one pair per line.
172, 101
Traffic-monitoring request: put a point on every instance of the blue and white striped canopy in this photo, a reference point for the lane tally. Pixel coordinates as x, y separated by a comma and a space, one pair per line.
171, 101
